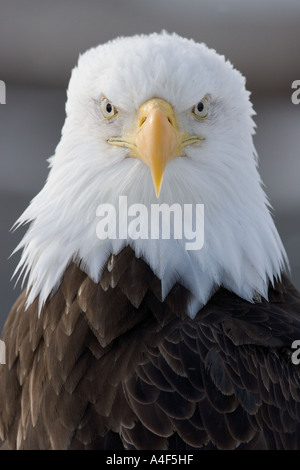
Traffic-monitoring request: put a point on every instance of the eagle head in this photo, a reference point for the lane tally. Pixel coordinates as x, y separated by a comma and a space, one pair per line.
155, 120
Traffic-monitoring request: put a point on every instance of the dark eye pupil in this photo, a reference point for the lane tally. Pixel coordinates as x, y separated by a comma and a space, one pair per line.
200, 107
109, 108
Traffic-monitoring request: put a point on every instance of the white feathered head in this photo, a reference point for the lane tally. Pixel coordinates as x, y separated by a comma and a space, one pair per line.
157, 119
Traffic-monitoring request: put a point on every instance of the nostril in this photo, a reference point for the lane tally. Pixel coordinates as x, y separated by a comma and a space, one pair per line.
143, 120
170, 121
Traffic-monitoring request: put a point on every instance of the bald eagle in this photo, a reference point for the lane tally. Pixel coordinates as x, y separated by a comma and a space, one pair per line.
128, 336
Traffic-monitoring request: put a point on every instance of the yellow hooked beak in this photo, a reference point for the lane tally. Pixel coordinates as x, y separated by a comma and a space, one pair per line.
156, 138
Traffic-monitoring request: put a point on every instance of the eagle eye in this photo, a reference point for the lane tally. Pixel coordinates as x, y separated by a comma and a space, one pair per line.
200, 110
108, 110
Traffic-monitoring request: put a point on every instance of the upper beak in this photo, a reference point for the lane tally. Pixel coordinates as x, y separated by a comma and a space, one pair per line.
156, 138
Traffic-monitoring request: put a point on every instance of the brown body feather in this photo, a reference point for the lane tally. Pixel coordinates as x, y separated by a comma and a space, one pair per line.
111, 366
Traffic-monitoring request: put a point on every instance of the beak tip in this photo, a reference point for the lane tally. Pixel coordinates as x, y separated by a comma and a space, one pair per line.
157, 187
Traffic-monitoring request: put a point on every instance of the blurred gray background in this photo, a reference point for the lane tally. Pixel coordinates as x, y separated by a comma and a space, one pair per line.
39, 45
